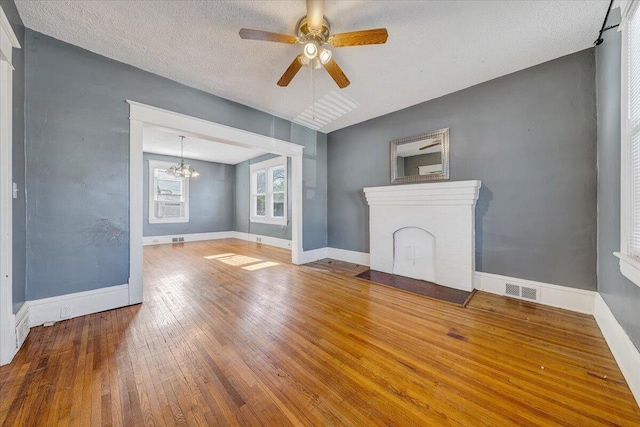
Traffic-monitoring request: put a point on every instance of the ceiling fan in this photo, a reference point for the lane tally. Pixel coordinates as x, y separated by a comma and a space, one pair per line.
313, 32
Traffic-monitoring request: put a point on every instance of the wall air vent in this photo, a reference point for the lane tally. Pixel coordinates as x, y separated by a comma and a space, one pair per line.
177, 239
326, 109
522, 292
512, 290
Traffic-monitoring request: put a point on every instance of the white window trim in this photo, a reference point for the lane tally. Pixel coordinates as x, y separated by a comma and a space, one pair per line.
266, 165
157, 164
629, 264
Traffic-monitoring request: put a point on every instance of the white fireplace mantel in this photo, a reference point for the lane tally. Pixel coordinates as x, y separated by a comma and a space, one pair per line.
434, 193
445, 254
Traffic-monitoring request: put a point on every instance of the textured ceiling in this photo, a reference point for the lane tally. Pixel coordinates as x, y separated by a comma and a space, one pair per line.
434, 47
167, 141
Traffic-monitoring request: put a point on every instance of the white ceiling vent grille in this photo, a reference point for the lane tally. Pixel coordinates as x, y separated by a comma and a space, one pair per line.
522, 292
326, 109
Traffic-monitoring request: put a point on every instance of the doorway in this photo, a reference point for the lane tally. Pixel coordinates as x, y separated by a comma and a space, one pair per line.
143, 116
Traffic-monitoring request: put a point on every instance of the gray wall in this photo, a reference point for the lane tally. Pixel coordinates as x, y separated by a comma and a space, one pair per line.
529, 136
77, 133
18, 160
620, 294
314, 205
412, 163
314, 186
211, 199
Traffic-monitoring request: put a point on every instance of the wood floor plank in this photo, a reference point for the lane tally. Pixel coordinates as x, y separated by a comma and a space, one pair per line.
223, 339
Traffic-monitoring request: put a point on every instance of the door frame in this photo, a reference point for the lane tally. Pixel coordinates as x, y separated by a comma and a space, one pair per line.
141, 115
8, 42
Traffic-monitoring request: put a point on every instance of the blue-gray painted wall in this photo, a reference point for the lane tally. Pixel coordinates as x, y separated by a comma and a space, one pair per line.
529, 136
18, 160
211, 199
77, 133
621, 295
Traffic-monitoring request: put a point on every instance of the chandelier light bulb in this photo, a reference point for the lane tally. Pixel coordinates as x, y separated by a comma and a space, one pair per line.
310, 50
325, 56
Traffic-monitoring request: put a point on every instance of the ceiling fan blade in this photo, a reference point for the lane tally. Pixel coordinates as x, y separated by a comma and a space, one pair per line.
291, 72
248, 34
430, 145
315, 14
359, 38
336, 74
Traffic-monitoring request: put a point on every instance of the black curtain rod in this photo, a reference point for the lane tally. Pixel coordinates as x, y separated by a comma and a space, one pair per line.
603, 29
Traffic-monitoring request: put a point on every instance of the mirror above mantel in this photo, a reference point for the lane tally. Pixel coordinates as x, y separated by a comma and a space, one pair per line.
420, 158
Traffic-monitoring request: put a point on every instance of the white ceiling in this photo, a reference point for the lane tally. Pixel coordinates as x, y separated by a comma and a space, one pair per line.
434, 47
167, 141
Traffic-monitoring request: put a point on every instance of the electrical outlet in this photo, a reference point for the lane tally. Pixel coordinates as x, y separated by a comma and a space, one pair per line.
65, 311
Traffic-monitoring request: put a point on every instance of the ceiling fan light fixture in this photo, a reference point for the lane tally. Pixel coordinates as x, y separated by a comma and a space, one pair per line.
325, 55
310, 50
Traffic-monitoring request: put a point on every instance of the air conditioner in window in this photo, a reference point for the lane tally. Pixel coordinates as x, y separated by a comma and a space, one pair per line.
169, 210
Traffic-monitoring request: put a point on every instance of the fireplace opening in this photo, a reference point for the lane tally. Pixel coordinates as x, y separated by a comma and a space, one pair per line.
414, 253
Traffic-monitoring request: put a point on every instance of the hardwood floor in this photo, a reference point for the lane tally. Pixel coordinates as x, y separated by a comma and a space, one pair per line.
231, 334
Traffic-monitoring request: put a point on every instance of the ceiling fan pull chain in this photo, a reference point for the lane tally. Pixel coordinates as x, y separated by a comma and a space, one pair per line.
313, 95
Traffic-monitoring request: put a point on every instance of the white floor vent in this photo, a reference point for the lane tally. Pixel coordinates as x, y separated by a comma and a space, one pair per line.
522, 292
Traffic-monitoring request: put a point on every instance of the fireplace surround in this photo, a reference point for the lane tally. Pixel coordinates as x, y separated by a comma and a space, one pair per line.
425, 231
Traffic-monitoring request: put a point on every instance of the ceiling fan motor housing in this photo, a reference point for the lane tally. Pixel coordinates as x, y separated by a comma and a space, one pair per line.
306, 34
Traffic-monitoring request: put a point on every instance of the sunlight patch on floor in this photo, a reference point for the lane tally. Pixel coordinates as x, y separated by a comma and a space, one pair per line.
246, 262
260, 266
219, 256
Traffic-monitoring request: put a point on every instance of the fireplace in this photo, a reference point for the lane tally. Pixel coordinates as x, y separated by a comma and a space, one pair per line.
425, 231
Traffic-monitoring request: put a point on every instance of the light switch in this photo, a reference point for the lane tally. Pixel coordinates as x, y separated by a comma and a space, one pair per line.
15, 190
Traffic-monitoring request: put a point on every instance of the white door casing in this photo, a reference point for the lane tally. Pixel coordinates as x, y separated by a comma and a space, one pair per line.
8, 42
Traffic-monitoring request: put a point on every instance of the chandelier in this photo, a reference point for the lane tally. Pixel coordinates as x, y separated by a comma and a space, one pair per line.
182, 170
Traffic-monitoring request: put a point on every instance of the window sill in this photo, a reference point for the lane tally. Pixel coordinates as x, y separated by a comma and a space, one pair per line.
282, 222
167, 220
629, 267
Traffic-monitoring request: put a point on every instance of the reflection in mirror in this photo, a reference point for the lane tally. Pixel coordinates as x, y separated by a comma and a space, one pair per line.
420, 158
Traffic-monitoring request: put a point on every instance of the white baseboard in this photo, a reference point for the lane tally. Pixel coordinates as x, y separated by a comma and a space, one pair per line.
354, 257
573, 299
80, 304
195, 237
314, 255
23, 325
265, 240
626, 354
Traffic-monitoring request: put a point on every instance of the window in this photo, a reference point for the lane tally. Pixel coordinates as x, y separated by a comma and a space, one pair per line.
269, 191
630, 145
168, 195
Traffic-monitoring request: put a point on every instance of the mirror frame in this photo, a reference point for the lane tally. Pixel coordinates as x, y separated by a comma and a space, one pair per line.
395, 179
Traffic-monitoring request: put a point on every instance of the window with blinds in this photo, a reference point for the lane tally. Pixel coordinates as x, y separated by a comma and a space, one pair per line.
633, 123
